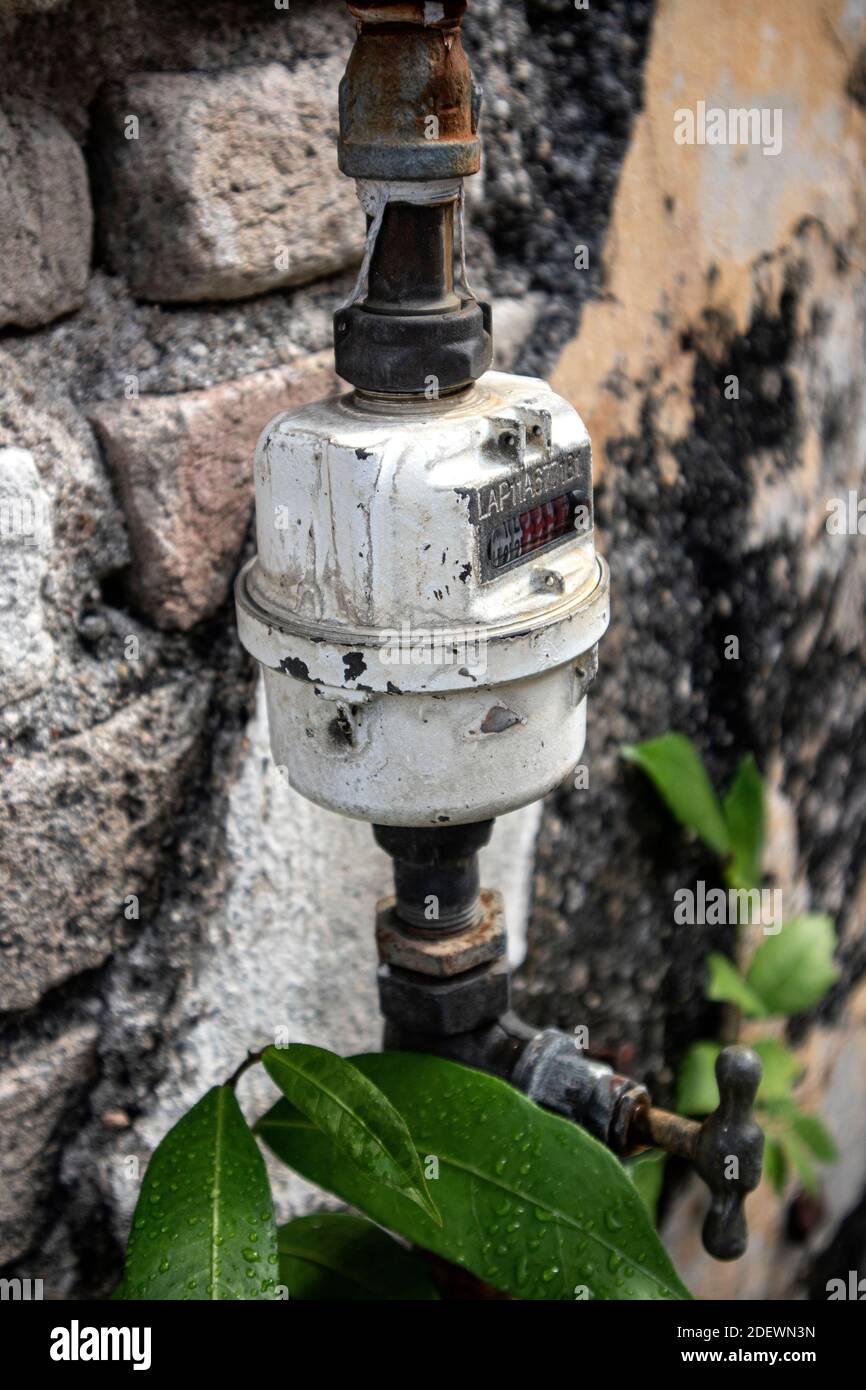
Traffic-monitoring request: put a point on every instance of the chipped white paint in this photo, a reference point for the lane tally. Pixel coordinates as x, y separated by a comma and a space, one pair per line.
370, 527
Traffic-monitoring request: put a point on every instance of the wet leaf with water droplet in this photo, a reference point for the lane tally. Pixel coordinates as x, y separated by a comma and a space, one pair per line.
194, 1243
354, 1114
562, 1236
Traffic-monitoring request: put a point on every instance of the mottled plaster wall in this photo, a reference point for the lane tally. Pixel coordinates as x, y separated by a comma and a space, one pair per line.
724, 262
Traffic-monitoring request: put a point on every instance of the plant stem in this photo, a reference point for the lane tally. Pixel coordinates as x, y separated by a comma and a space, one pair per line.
249, 1061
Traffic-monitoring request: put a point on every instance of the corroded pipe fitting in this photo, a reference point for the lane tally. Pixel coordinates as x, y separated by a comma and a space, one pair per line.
408, 105
433, 16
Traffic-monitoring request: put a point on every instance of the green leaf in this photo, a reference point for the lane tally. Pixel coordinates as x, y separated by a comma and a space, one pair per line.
726, 986
530, 1203
798, 1156
647, 1172
808, 1130
354, 1114
204, 1223
793, 970
781, 1069
673, 765
697, 1089
802, 1138
743, 809
775, 1166
812, 1132
336, 1257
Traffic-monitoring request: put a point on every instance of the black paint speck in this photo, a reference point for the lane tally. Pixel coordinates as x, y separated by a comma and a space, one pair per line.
293, 666
341, 731
355, 665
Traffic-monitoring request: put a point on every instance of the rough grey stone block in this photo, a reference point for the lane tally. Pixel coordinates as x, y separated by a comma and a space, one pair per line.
26, 648
80, 832
223, 185
33, 1095
56, 498
184, 466
46, 220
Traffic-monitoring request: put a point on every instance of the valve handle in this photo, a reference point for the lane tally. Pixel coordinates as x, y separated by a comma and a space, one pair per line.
726, 1149
729, 1152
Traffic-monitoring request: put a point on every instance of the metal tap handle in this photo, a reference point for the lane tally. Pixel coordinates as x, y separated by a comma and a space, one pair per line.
729, 1150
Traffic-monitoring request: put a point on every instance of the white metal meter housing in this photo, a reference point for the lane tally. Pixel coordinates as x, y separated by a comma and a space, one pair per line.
426, 599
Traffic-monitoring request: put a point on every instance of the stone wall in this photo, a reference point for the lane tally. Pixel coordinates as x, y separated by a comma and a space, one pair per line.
174, 237
175, 240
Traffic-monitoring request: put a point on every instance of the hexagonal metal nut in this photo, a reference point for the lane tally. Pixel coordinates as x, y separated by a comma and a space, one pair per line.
445, 1006
440, 954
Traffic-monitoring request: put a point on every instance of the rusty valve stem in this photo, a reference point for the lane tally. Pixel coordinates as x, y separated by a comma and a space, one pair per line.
726, 1149
409, 112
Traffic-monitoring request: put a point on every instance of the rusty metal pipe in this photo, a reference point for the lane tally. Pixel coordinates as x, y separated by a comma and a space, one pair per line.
659, 1129
412, 268
408, 105
409, 114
